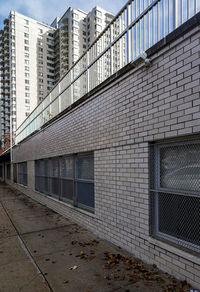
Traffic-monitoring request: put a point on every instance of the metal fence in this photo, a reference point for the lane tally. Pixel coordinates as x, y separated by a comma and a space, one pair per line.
139, 25
175, 193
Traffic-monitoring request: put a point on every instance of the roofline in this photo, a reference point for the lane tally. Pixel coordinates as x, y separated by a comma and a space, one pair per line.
70, 8
44, 24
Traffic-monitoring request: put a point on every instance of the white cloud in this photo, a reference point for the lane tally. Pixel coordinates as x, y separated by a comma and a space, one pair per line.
47, 10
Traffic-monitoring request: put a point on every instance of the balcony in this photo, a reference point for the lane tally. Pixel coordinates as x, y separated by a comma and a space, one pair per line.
57, 41
6, 32
6, 53
6, 45
7, 67
7, 105
6, 21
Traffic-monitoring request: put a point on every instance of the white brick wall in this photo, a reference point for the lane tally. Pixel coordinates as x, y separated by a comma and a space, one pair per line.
144, 105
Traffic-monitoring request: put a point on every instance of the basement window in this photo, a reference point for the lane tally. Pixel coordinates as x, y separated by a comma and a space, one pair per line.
175, 193
8, 171
1, 171
67, 178
22, 173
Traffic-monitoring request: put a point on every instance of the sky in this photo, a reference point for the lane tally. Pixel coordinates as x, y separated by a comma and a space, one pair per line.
46, 10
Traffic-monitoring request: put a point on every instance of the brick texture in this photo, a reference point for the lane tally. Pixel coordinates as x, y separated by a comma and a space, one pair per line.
117, 123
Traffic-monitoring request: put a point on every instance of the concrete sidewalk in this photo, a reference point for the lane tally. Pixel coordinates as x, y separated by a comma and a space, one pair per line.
42, 251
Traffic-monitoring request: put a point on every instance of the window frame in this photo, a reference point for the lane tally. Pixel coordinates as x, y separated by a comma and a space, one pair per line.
155, 189
62, 179
22, 171
8, 171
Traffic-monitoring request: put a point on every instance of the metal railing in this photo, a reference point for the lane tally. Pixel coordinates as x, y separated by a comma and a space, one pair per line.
139, 25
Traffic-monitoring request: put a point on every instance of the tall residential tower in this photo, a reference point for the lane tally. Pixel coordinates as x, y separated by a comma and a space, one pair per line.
34, 56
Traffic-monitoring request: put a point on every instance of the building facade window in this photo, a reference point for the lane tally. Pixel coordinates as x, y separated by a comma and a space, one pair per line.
22, 173
68, 178
1, 171
175, 193
8, 171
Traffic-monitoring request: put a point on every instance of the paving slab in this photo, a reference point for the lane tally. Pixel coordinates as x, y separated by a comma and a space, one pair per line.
11, 250
20, 203
58, 239
6, 194
6, 227
69, 271
52, 251
26, 224
21, 277
74, 259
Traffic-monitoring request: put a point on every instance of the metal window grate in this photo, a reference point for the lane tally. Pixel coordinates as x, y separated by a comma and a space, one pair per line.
175, 193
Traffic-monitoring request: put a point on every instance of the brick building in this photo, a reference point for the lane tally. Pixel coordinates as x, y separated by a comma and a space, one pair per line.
123, 161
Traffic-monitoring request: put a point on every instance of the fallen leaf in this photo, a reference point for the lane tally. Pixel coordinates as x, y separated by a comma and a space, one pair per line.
73, 268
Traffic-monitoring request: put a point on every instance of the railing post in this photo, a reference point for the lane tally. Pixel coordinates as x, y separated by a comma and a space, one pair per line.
175, 14
71, 86
128, 36
59, 99
50, 107
163, 22
43, 117
111, 51
87, 73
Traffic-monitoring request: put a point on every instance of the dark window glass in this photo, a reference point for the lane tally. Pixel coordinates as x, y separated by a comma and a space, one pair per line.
41, 176
67, 178
22, 173
67, 190
85, 167
85, 194
1, 171
8, 171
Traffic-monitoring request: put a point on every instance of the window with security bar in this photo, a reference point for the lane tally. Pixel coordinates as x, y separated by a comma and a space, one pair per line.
22, 173
175, 193
67, 178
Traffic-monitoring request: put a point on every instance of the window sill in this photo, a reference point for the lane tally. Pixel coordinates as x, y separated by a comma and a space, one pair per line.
175, 250
21, 185
68, 205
